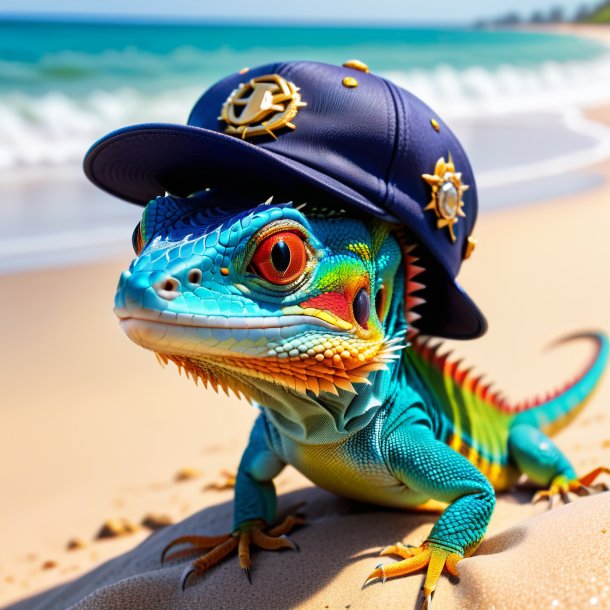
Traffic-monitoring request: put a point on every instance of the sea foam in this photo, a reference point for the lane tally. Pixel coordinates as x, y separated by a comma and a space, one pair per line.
57, 127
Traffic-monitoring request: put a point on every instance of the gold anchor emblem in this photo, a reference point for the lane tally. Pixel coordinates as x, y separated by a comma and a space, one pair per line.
447, 191
261, 106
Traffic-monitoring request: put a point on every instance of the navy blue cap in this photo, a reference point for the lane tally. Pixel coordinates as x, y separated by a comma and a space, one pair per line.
344, 134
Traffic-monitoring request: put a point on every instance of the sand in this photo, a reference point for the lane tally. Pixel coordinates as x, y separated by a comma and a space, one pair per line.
92, 429
593, 31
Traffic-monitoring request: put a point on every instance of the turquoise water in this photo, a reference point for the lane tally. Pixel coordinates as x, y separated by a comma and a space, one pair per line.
513, 99
72, 57
63, 85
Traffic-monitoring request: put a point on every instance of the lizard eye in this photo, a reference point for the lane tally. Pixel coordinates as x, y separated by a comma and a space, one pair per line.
280, 258
381, 299
361, 307
136, 239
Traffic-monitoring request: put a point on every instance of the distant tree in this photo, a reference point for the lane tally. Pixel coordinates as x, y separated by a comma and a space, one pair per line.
537, 17
583, 12
556, 14
512, 18
481, 24
600, 13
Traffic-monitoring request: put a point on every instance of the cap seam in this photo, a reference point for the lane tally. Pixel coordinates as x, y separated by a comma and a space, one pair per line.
388, 196
286, 67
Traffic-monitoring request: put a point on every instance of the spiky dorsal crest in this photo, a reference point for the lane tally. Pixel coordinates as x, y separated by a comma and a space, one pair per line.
413, 268
430, 350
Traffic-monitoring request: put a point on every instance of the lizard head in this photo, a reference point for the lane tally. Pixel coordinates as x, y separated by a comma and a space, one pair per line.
266, 295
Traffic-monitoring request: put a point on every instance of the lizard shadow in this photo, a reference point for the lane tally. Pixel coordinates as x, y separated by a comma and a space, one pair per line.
339, 533
497, 543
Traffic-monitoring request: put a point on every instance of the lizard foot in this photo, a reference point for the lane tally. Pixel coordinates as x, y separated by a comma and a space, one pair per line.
430, 555
249, 533
561, 486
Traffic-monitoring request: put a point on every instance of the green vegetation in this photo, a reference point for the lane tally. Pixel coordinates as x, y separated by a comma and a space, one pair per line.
555, 14
601, 14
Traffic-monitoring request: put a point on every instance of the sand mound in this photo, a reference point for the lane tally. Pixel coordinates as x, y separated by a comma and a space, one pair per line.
558, 555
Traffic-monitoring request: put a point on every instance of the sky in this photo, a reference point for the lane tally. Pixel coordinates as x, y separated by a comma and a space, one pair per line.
335, 11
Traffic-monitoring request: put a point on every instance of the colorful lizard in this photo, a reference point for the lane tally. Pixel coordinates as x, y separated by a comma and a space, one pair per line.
311, 314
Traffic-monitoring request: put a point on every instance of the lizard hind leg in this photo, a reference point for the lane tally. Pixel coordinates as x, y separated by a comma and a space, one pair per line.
541, 460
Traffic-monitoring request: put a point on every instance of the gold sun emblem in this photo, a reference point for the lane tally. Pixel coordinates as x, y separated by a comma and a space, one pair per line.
261, 106
447, 191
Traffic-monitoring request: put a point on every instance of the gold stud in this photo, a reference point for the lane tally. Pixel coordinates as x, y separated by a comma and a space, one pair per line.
244, 70
435, 124
471, 244
350, 82
224, 271
356, 64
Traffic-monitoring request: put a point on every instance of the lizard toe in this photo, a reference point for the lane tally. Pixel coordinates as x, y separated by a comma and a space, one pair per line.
430, 555
561, 487
218, 547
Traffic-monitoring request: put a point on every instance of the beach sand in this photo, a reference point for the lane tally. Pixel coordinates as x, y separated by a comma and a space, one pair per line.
92, 429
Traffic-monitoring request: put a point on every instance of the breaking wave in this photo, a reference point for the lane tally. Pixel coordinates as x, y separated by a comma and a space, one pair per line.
57, 127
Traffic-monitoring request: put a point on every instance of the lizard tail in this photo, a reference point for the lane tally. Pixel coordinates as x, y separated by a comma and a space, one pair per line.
557, 410
461, 393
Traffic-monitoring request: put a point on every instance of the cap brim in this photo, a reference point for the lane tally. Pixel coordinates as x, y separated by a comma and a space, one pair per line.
140, 162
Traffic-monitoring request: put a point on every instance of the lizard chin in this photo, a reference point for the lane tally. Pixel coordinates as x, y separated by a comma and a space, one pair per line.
244, 359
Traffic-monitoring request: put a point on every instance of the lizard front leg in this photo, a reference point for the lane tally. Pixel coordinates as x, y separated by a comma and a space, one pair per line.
254, 509
431, 469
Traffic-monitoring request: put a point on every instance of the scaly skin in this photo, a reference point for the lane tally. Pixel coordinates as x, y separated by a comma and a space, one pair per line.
341, 398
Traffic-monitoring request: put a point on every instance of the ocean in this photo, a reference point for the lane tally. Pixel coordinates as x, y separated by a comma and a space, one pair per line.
514, 98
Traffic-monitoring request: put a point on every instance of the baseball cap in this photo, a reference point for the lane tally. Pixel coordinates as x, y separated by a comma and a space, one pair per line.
309, 131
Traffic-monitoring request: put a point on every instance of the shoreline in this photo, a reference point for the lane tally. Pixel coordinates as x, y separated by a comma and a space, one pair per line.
96, 226
599, 32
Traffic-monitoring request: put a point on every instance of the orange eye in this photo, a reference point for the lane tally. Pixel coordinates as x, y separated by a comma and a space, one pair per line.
280, 258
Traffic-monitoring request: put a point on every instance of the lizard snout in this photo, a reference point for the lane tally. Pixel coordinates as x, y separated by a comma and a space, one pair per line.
146, 290
168, 288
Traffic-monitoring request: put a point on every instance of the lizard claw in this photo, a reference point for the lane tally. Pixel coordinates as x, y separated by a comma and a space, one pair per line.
561, 487
429, 555
291, 544
218, 547
377, 574
185, 576
427, 604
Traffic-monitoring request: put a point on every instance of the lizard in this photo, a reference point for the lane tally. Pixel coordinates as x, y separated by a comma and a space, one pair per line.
311, 313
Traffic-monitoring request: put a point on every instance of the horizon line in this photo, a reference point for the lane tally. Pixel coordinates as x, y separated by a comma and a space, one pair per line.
194, 20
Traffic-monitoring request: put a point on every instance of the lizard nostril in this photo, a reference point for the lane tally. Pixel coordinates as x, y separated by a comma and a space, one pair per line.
168, 288
195, 276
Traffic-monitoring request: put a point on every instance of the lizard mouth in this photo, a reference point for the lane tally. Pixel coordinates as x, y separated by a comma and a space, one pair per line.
225, 350
197, 335
221, 322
